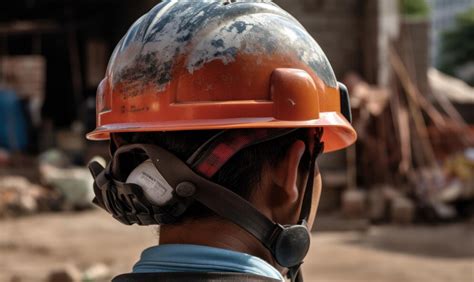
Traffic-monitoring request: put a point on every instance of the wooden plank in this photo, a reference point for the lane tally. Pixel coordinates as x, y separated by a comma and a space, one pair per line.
415, 107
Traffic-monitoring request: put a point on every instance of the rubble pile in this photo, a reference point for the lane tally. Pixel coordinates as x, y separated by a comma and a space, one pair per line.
415, 152
61, 187
18, 196
71, 273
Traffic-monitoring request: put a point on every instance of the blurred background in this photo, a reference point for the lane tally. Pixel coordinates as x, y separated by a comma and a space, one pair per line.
396, 206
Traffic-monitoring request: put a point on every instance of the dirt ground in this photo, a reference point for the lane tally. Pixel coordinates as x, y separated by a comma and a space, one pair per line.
31, 247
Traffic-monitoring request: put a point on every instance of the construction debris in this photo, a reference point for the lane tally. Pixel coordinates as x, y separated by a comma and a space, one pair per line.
453, 89
354, 203
402, 211
18, 196
68, 273
97, 272
72, 273
63, 187
55, 158
365, 96
74, 184
412, 143
377, 205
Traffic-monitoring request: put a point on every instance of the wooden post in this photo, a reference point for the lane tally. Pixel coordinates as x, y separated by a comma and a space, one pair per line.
75, 68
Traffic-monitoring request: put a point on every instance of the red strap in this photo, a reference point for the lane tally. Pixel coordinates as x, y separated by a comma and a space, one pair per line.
229, 143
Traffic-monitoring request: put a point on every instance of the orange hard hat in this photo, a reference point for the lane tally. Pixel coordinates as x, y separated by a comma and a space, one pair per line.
193, 65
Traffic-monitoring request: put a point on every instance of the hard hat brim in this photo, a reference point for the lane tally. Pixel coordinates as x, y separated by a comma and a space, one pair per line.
338, 132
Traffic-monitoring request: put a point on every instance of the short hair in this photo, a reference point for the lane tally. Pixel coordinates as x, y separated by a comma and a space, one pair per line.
241, 174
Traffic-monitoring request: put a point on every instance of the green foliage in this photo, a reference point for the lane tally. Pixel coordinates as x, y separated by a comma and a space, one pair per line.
457, 45
414, 8
466, 19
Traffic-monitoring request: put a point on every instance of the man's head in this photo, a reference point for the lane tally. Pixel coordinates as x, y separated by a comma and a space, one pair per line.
272, 176
254, 171
189, 69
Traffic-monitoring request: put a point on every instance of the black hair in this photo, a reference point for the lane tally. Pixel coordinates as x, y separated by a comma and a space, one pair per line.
241, 174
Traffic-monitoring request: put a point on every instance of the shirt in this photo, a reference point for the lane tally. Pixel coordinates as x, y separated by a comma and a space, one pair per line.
196, 258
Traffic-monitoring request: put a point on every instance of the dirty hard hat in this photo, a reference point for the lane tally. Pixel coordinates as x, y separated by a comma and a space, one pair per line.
191, 65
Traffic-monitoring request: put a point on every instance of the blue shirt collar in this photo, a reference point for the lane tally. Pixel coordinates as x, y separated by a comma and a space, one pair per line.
196, 258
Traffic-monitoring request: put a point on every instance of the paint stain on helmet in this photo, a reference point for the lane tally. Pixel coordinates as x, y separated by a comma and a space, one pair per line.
147, 69
240, 26
219, 43
205, 31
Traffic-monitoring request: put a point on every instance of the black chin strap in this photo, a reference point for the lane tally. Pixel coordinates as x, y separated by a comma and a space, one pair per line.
294, 273
220, 200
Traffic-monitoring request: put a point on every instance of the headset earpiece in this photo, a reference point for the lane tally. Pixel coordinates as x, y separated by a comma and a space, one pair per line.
145, 198
155, 187
292, 245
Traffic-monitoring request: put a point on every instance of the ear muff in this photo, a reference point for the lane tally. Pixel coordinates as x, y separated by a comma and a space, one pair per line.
145, 198
154, 185
292, 245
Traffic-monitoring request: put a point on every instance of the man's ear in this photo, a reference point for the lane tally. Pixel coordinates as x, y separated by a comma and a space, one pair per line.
285, 174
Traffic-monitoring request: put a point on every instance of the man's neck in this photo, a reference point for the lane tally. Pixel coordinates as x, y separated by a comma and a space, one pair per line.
214, 232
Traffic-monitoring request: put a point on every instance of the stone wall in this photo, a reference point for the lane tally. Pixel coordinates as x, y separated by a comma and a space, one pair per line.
354, 34
336, 25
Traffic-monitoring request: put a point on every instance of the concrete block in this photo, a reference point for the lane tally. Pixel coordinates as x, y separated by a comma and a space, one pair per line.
354, 203
402, 210
378, 204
